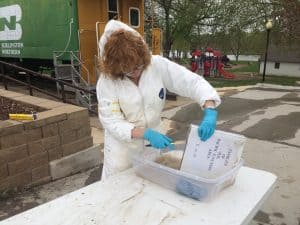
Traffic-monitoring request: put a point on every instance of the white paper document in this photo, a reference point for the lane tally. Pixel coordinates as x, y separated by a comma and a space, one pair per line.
213, 157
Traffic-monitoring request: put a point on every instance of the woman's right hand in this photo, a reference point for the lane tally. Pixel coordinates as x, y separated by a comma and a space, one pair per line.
158, 140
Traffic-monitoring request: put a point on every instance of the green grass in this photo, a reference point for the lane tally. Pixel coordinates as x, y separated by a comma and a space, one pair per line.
279, 80
251, 67
282, 80
220, 82
239, 62
244, 78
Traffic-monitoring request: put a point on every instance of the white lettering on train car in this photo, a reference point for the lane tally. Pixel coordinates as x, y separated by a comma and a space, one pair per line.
10, 52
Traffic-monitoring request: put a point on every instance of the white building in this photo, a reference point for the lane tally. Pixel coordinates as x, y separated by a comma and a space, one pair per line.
252, 58
282, 61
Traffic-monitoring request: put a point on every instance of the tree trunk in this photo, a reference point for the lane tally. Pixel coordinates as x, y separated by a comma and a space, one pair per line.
237, 57
167, 42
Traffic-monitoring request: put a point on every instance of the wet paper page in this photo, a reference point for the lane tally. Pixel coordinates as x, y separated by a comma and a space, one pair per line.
213, 157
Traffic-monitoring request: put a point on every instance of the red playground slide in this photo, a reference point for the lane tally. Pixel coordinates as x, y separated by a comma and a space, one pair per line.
194, 67
224, 73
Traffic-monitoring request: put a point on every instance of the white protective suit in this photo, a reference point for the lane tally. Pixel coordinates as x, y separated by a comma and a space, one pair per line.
122, 105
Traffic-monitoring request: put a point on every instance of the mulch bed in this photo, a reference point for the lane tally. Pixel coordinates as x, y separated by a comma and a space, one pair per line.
10, 106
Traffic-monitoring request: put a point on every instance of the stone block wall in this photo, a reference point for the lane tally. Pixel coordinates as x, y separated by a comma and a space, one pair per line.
27, 147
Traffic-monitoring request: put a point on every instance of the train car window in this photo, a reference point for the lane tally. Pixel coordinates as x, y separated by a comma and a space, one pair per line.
113, 9
134, 17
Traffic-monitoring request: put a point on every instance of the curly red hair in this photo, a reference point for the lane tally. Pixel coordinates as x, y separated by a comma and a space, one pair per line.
123, 53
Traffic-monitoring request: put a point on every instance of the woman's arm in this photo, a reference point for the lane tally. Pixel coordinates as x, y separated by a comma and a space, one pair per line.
110, 113
209, 104
137, 133
183, 82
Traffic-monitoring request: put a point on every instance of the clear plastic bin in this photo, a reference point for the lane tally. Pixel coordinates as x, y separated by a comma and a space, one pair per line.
195, 187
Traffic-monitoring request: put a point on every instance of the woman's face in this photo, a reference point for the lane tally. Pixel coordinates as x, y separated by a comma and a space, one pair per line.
125, 55
136, 72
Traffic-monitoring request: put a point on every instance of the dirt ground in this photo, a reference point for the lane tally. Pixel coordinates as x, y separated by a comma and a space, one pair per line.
10, 106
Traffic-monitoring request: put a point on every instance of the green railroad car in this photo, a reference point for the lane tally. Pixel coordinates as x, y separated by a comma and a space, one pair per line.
42, 33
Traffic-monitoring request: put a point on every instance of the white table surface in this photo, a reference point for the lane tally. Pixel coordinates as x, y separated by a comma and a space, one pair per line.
129, 199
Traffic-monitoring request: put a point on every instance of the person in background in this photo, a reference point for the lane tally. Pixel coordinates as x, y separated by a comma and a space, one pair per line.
131, 93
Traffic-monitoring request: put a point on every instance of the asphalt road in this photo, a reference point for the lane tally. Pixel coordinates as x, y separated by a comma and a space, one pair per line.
269, 116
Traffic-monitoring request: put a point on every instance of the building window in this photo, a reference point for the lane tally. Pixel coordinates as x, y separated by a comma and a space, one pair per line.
277, 65
113, 9
134, 17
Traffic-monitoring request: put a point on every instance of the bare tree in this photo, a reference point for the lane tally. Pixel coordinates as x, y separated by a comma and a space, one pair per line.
289, 16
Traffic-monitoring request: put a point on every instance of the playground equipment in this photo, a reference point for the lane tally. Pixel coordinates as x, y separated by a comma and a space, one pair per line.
209, 63
196, 57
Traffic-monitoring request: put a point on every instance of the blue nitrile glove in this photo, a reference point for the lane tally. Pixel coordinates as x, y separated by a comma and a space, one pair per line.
158, 140
208, 124
190, 190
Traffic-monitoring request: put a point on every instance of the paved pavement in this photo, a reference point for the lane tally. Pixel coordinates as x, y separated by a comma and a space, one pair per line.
267, 115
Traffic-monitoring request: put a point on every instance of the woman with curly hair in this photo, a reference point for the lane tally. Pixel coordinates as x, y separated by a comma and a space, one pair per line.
131, 93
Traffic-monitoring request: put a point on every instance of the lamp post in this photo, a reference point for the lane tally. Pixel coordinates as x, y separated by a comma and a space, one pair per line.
269, 26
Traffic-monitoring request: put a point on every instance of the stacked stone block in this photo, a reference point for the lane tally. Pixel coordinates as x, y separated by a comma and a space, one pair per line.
27, 147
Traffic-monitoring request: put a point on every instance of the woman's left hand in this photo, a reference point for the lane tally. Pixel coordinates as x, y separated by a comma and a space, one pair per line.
208, 124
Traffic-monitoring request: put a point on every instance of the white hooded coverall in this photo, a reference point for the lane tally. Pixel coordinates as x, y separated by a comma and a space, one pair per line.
123, 105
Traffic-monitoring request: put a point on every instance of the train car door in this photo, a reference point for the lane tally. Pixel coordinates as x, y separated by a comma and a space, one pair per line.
89, 12
92, 17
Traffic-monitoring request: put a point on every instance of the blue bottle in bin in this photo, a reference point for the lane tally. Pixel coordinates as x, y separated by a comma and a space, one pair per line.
188, 189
